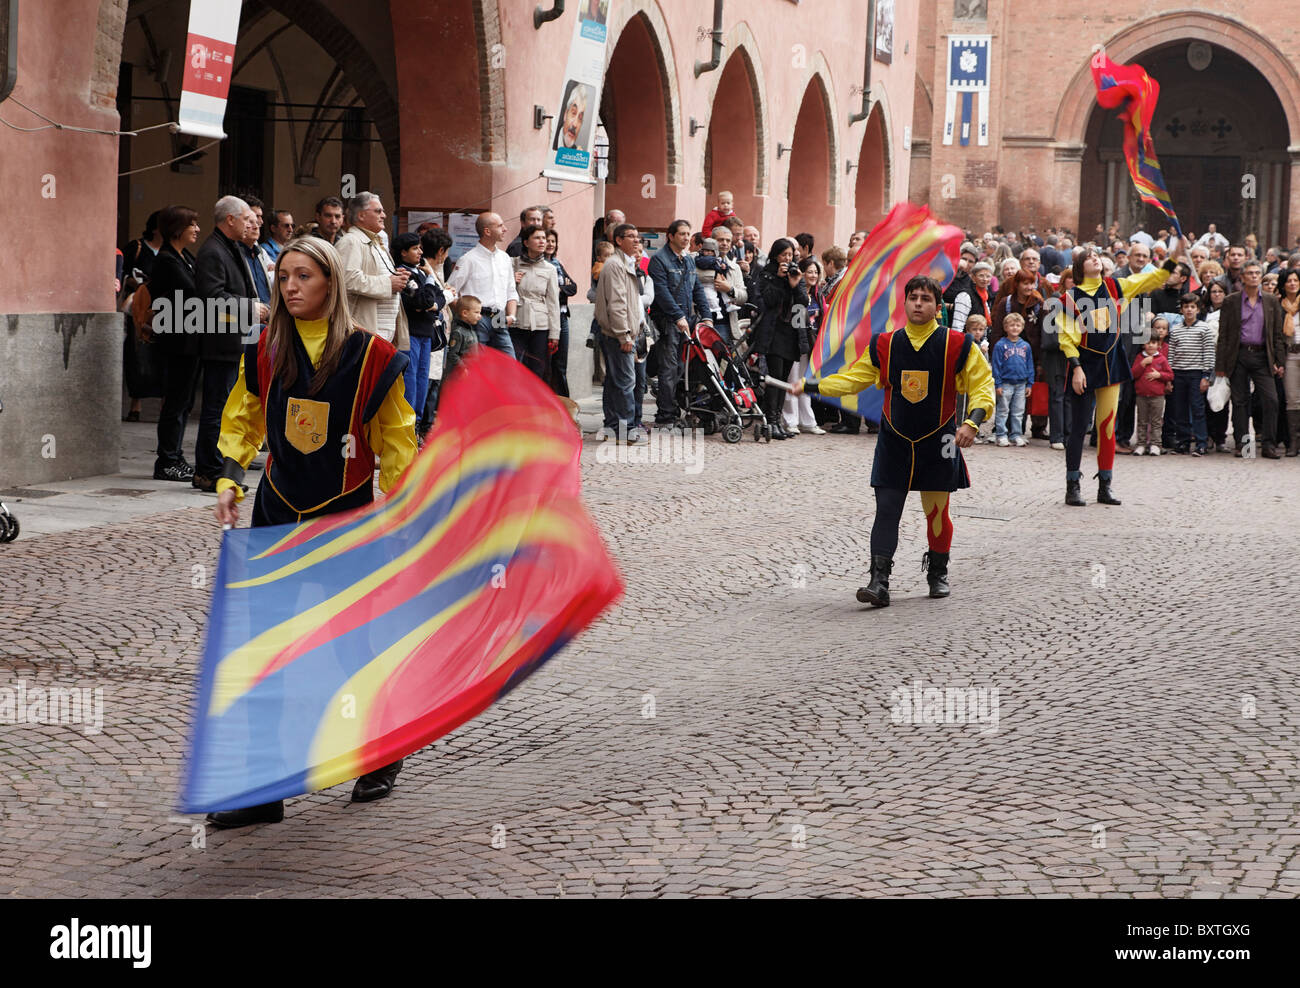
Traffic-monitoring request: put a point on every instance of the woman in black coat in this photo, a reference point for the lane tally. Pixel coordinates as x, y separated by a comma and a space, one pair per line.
781, 334
171, 285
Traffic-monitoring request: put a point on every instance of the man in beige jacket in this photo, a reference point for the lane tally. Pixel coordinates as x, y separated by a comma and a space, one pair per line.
373, 282
619, 314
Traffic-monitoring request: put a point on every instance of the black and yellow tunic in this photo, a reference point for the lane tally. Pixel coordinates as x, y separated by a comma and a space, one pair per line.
323, 446
921, 369
1091, 325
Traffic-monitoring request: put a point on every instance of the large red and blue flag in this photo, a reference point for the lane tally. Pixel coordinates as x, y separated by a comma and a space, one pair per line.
342, 644
869, 297
1135, 93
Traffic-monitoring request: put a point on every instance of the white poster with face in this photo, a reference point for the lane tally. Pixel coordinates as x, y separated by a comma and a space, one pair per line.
573, 133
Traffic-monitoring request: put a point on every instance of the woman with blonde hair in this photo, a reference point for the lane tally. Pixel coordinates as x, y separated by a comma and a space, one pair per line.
329, 400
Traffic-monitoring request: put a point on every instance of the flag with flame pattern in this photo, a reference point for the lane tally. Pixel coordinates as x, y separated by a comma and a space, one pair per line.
341, 644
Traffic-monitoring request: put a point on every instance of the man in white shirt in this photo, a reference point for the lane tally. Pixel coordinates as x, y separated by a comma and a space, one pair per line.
487, 273
1212, 238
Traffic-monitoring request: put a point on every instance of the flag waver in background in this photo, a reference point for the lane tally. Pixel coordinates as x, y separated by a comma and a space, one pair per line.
1129, 88
869, 298
342, 644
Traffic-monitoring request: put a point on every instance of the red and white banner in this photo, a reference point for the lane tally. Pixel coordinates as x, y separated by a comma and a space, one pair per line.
209, 63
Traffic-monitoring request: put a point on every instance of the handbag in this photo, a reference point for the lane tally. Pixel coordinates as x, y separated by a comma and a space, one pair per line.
1038, 400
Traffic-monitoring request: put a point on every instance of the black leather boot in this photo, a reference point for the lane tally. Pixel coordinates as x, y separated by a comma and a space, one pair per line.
1104, 496
935, 565
1073, 496
876, 593
263, 813
377, 784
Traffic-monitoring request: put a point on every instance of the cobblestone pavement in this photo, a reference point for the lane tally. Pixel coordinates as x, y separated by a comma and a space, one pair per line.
734, 726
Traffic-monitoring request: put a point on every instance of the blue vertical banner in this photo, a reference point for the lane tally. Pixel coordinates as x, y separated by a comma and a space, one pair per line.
968, 77
573, 130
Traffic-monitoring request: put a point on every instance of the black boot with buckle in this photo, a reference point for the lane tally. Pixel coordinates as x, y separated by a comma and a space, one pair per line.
876, 593
1073, 495
935, 565
1104, 496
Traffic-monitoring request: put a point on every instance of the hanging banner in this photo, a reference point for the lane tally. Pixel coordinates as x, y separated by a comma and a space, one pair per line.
209, 63
968, 78
574, 126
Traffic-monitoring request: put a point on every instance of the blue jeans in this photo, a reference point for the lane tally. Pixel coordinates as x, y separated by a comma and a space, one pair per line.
1011, 400
638, 393
416, 375
1189, 409
617, 399
493, 333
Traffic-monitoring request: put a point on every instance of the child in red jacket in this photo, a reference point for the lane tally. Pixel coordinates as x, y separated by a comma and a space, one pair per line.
718, 213
1151, 372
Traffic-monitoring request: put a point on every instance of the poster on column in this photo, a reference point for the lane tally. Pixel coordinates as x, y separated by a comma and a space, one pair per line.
968, 85
574, 127
209, 63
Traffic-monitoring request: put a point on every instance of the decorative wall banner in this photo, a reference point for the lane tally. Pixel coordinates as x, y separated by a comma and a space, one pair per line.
968, 77
209, 63
575, 119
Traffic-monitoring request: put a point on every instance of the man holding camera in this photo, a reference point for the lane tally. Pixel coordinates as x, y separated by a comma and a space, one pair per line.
677, 292
372, 280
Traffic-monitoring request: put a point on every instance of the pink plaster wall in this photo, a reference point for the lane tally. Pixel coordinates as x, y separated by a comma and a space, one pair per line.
55, 60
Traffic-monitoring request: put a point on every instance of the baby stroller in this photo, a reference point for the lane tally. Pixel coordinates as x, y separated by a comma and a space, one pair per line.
716, 390
8, 523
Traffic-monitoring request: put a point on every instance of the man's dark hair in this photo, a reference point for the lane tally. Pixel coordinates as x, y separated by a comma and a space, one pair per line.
1240, 247
254, 203
529, 209
1189, 297
805, 240
732, 223
676, 225
151, 225
277, 215
622, 230
434, 241
926, 284
174, 220
328, 201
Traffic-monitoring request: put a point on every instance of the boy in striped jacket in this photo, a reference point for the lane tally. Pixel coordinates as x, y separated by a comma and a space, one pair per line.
1191, 355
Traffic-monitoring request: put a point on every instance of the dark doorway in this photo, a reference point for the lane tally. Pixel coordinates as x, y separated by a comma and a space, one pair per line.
246, 151
1205, 190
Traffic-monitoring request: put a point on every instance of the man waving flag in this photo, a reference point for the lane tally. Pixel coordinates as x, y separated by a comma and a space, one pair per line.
907, 243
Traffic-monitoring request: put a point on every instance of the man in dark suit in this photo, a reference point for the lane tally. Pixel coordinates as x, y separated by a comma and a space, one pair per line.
1252, 348
232, 310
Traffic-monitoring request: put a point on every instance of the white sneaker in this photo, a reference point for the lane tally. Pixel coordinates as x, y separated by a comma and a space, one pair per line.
1021, 441
1138, 451
1154, 450
792, 429
817, 430
1003, 441
1058, 445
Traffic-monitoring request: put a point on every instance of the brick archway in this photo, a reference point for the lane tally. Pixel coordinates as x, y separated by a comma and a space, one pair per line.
652, 18
873, 193
736, 150
1081, 95
818, 82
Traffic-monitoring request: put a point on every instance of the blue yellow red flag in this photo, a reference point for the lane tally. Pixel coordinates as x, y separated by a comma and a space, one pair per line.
1129, 88
339, 645
869, 297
